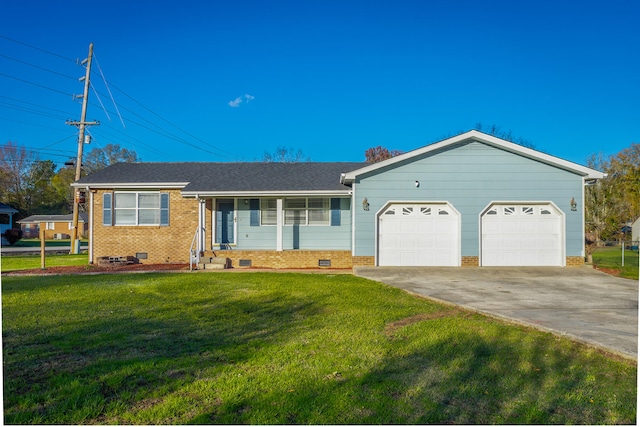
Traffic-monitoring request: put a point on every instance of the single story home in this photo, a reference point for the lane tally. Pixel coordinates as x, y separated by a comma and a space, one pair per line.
6, 220
57, 227
469, 200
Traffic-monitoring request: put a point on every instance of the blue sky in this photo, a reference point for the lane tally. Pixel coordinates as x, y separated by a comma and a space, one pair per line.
231, 80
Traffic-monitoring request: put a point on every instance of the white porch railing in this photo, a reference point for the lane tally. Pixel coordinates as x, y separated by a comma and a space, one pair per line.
194, 250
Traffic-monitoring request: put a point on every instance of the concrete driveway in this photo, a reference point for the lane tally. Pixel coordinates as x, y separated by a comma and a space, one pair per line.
577, 302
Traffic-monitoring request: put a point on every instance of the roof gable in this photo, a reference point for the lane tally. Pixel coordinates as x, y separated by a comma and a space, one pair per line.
474, 135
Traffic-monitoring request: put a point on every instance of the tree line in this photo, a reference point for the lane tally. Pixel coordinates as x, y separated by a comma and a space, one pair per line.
35, 186
38, 187
612, 204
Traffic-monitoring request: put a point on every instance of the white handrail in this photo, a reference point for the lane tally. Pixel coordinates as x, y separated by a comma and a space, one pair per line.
193, 253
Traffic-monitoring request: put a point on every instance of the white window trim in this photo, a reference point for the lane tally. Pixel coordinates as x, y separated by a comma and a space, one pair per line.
327, 209
137, 208
264, 202
326, 201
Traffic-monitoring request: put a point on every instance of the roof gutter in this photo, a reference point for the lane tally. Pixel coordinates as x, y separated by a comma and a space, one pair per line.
131, 185
265, 193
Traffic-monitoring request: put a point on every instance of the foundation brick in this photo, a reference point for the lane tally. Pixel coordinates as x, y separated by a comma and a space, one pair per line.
575, 261
286, 259
470, 261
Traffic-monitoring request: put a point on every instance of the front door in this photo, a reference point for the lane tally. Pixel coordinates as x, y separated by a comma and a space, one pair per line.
225, 223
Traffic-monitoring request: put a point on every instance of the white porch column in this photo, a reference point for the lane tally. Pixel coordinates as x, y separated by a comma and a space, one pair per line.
279, 223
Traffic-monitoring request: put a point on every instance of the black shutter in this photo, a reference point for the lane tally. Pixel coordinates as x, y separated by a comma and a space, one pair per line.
335, 212
254, 205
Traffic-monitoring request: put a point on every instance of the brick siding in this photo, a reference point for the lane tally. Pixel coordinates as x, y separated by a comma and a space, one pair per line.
470, 261
575, 261
285, 259
166, 244
364, 261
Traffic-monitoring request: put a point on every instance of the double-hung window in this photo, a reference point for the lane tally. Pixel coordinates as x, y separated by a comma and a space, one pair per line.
268, 211
295, 211
318, 211
136, 208
306, 211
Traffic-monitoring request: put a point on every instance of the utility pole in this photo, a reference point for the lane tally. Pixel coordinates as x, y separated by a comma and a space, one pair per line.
75, 247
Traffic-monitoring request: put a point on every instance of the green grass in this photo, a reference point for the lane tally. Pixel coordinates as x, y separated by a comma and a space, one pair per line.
27, 262
285, 348
610, 257
35, 243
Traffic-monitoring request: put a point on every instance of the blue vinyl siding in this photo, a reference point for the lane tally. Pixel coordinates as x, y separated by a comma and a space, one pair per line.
469, 176
311, 237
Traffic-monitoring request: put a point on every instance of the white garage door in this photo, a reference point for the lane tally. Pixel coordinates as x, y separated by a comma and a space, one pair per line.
522, 235
419, 235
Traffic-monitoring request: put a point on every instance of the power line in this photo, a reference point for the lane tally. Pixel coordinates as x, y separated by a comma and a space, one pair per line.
163, 132
36, 84
37, 48
31, 110
38, 67
110, 94
166, 121
35, 105
153, 127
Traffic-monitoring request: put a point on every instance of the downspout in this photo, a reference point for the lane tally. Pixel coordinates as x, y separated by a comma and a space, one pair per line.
584, 218
353, 220
91, 223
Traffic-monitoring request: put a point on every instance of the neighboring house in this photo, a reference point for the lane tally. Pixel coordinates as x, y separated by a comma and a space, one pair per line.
470, 200
635, 231
57, 227
6, 220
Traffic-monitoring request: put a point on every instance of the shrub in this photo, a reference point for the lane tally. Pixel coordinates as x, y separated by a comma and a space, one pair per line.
13, 235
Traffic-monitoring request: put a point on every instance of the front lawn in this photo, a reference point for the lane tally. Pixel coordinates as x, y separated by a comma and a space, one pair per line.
610, 259
28, 262
35, 243
285, 348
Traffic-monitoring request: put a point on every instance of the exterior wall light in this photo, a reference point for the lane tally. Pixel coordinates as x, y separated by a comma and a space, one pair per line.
365, 204
574, 205
417, 183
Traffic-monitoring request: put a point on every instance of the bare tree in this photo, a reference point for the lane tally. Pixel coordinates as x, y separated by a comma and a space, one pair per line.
285, 155
379, 153
15, 163
495, 130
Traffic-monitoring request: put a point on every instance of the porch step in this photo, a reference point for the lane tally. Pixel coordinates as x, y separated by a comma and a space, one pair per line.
213, 263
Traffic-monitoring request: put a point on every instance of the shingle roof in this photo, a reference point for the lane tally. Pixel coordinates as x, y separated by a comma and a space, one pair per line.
82, 217
228, 177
